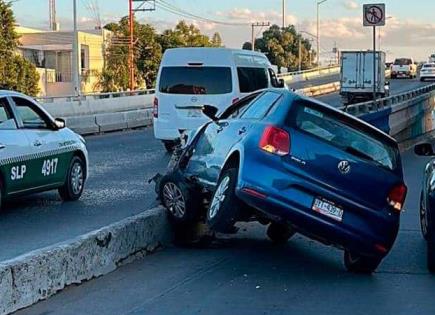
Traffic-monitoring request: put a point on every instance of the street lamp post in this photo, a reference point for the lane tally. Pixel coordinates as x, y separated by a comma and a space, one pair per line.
318, 31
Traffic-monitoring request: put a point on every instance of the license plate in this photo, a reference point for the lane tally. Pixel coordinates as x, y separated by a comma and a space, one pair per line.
194, 113
328, 209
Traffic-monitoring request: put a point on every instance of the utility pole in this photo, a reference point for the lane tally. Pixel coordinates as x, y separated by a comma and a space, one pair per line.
300, 53
143, 5
75, 52
283, 15
254, 25
318, 31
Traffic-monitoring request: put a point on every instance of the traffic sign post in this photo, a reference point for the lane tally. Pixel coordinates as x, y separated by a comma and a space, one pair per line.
374, 15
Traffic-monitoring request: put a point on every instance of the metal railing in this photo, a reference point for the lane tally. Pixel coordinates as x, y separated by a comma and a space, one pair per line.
380, 104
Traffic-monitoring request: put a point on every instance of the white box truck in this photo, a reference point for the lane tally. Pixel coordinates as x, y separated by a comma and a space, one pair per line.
356, 76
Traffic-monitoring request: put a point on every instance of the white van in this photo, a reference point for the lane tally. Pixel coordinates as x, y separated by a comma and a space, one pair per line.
189, 78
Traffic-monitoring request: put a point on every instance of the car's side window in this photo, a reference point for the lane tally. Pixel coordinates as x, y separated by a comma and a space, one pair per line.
237, 109
261, 106
6, 119
32, 119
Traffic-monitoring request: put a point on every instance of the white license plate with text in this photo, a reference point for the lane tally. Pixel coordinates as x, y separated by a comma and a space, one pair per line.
328, 209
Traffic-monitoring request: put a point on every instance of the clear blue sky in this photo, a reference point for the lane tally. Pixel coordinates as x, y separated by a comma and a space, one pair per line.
411, 31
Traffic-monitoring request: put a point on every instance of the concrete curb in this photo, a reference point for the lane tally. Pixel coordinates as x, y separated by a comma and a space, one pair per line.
321, 89
38, 275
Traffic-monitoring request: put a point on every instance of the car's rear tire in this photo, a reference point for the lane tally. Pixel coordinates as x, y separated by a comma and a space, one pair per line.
75, 180
279, 233
361, 264
422, 79
423, 219
169, 145
224, 208
183, 204
431, 252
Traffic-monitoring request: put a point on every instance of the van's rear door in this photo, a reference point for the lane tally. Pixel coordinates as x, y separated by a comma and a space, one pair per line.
183, 90
342, 155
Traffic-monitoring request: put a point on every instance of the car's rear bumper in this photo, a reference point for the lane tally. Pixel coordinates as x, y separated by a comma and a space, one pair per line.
364, 231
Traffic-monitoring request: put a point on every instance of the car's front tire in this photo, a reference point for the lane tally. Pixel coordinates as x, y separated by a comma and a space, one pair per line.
224, 208
178, 198
279, 233
361, 264
431, 252
75, 180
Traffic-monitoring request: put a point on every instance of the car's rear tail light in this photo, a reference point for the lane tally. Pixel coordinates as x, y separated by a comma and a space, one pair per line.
275, 140
397, 196
156, 108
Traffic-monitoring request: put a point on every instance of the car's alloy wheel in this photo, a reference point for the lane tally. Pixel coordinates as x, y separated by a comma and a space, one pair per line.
219, 197
173, 200
75, 181
423, 218
184, 204
225, 207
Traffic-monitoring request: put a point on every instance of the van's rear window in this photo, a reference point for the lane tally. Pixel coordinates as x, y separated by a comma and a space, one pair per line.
196, 80
403, 62
330, 128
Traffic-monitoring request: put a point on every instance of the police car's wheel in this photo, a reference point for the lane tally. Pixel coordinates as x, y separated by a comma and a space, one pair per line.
183, 204
75, 180
225, 207
361, 264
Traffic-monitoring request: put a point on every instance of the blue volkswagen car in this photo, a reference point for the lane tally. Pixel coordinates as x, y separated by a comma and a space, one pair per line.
299, 166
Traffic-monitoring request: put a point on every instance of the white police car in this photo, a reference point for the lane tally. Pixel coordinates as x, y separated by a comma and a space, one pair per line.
37, 153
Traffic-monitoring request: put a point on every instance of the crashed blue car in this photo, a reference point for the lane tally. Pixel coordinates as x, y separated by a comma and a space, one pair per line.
297, 165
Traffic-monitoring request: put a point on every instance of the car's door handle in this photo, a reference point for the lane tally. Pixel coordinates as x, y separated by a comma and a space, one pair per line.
242, 130
2, 146
37, 143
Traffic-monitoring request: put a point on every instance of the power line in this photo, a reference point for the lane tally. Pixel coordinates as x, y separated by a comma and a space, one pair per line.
177, 11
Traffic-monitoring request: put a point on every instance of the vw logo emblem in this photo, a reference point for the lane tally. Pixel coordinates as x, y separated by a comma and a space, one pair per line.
194, 99
344, 167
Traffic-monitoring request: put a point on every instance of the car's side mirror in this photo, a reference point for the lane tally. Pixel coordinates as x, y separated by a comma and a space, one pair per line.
281, 83
210, 111
424, 149
59, 123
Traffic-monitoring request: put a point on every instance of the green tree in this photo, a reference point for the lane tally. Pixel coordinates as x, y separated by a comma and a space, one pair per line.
216, 40
282, 47
16, 73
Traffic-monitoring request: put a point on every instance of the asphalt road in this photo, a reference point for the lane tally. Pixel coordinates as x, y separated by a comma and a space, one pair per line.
246, 275
398, 86
120, 165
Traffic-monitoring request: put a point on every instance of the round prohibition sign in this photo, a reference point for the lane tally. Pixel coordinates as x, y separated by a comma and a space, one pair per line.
374, 15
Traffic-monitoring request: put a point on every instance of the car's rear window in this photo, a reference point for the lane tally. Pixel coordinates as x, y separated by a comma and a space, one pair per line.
196, 80
252, 79
429, 66
403, 62
330, 128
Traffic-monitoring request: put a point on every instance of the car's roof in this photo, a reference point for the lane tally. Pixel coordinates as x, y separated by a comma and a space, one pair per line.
11, 93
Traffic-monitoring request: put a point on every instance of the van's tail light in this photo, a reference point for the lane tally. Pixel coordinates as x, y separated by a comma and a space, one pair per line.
397, 196
156, 108
275, 140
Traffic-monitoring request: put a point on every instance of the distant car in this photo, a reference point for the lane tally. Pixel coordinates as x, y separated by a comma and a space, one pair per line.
188, 78
404, 68
427, 71
427, 202
298, 165
37, 153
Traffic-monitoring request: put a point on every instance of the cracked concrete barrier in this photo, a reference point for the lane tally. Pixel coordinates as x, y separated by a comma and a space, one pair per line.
38, 275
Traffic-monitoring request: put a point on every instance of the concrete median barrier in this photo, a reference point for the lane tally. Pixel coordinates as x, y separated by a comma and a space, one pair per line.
83, 125
321, 89
139, 118
41, 273
111, 122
